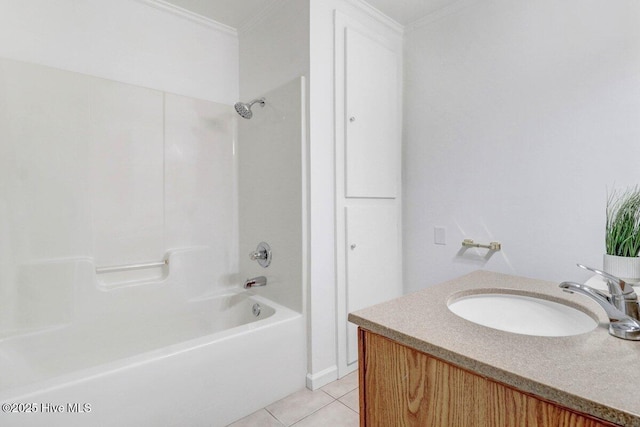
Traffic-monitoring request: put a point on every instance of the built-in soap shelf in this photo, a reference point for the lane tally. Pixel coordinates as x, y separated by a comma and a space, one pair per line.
129, 267
111, 277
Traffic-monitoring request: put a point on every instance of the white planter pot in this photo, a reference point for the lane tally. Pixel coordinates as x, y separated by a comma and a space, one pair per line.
626, 268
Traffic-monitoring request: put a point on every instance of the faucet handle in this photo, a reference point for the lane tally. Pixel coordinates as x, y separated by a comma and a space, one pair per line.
622, 323
617, 286
256, 255
262, 254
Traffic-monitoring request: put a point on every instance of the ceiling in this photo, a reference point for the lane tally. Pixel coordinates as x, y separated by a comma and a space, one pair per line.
236, 12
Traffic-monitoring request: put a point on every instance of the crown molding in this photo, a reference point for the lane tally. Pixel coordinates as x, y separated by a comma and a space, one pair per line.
439, 14
261, 14
378, 15
191, 16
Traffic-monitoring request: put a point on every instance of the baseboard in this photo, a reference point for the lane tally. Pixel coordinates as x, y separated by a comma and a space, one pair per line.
322, 378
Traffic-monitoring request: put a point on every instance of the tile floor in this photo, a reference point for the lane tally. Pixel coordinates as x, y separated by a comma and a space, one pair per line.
335, 405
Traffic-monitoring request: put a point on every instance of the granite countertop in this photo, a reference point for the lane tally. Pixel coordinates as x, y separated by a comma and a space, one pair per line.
593, 373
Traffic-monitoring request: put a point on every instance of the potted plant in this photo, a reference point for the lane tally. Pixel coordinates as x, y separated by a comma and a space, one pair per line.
623, 234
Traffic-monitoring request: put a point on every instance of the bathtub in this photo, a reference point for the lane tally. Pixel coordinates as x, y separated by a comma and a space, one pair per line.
207, 363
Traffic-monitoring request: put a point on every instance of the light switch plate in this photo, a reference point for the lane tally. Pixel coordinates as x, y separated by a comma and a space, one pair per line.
439, 235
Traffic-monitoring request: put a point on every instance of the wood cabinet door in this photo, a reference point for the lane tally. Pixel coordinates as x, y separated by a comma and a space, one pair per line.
400, 386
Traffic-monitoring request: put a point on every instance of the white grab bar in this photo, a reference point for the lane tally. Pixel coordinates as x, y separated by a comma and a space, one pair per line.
127, 267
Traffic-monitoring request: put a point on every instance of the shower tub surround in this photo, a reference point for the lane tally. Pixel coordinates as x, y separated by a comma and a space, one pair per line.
203, 362
96, 173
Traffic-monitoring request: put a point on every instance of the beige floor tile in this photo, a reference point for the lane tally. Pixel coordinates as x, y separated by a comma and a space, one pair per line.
343, 386
295, 407
260, 418
333, 415
352, 400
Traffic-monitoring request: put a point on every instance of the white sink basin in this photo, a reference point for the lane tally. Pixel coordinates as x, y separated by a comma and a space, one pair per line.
523, 314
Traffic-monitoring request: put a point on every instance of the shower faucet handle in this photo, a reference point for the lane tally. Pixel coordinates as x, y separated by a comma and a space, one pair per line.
256, 255
262, 254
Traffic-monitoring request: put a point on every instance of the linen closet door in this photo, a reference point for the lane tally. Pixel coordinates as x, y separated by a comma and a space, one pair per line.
372, 143
368, 184
372, 262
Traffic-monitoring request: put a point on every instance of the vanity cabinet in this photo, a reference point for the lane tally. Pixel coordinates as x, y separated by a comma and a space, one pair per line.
400, 386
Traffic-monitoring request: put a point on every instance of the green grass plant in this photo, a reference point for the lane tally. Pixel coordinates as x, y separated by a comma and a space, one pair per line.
623, 222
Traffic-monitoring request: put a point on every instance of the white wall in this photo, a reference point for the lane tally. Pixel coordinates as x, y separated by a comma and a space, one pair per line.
141, 42
274, 48
518, 117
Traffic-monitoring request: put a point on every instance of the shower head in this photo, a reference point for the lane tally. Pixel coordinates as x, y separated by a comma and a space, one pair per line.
244, 109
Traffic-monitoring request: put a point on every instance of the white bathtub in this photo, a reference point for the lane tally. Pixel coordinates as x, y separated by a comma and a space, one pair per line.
207, 363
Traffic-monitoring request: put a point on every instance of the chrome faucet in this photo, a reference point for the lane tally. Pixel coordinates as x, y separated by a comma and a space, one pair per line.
621, 305
254, 282
262, 254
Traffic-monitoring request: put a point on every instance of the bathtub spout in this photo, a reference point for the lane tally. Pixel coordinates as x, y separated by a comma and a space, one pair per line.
256, 281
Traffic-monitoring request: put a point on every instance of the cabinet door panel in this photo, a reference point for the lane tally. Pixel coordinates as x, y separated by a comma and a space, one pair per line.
372, 136
402, 386
373, 262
